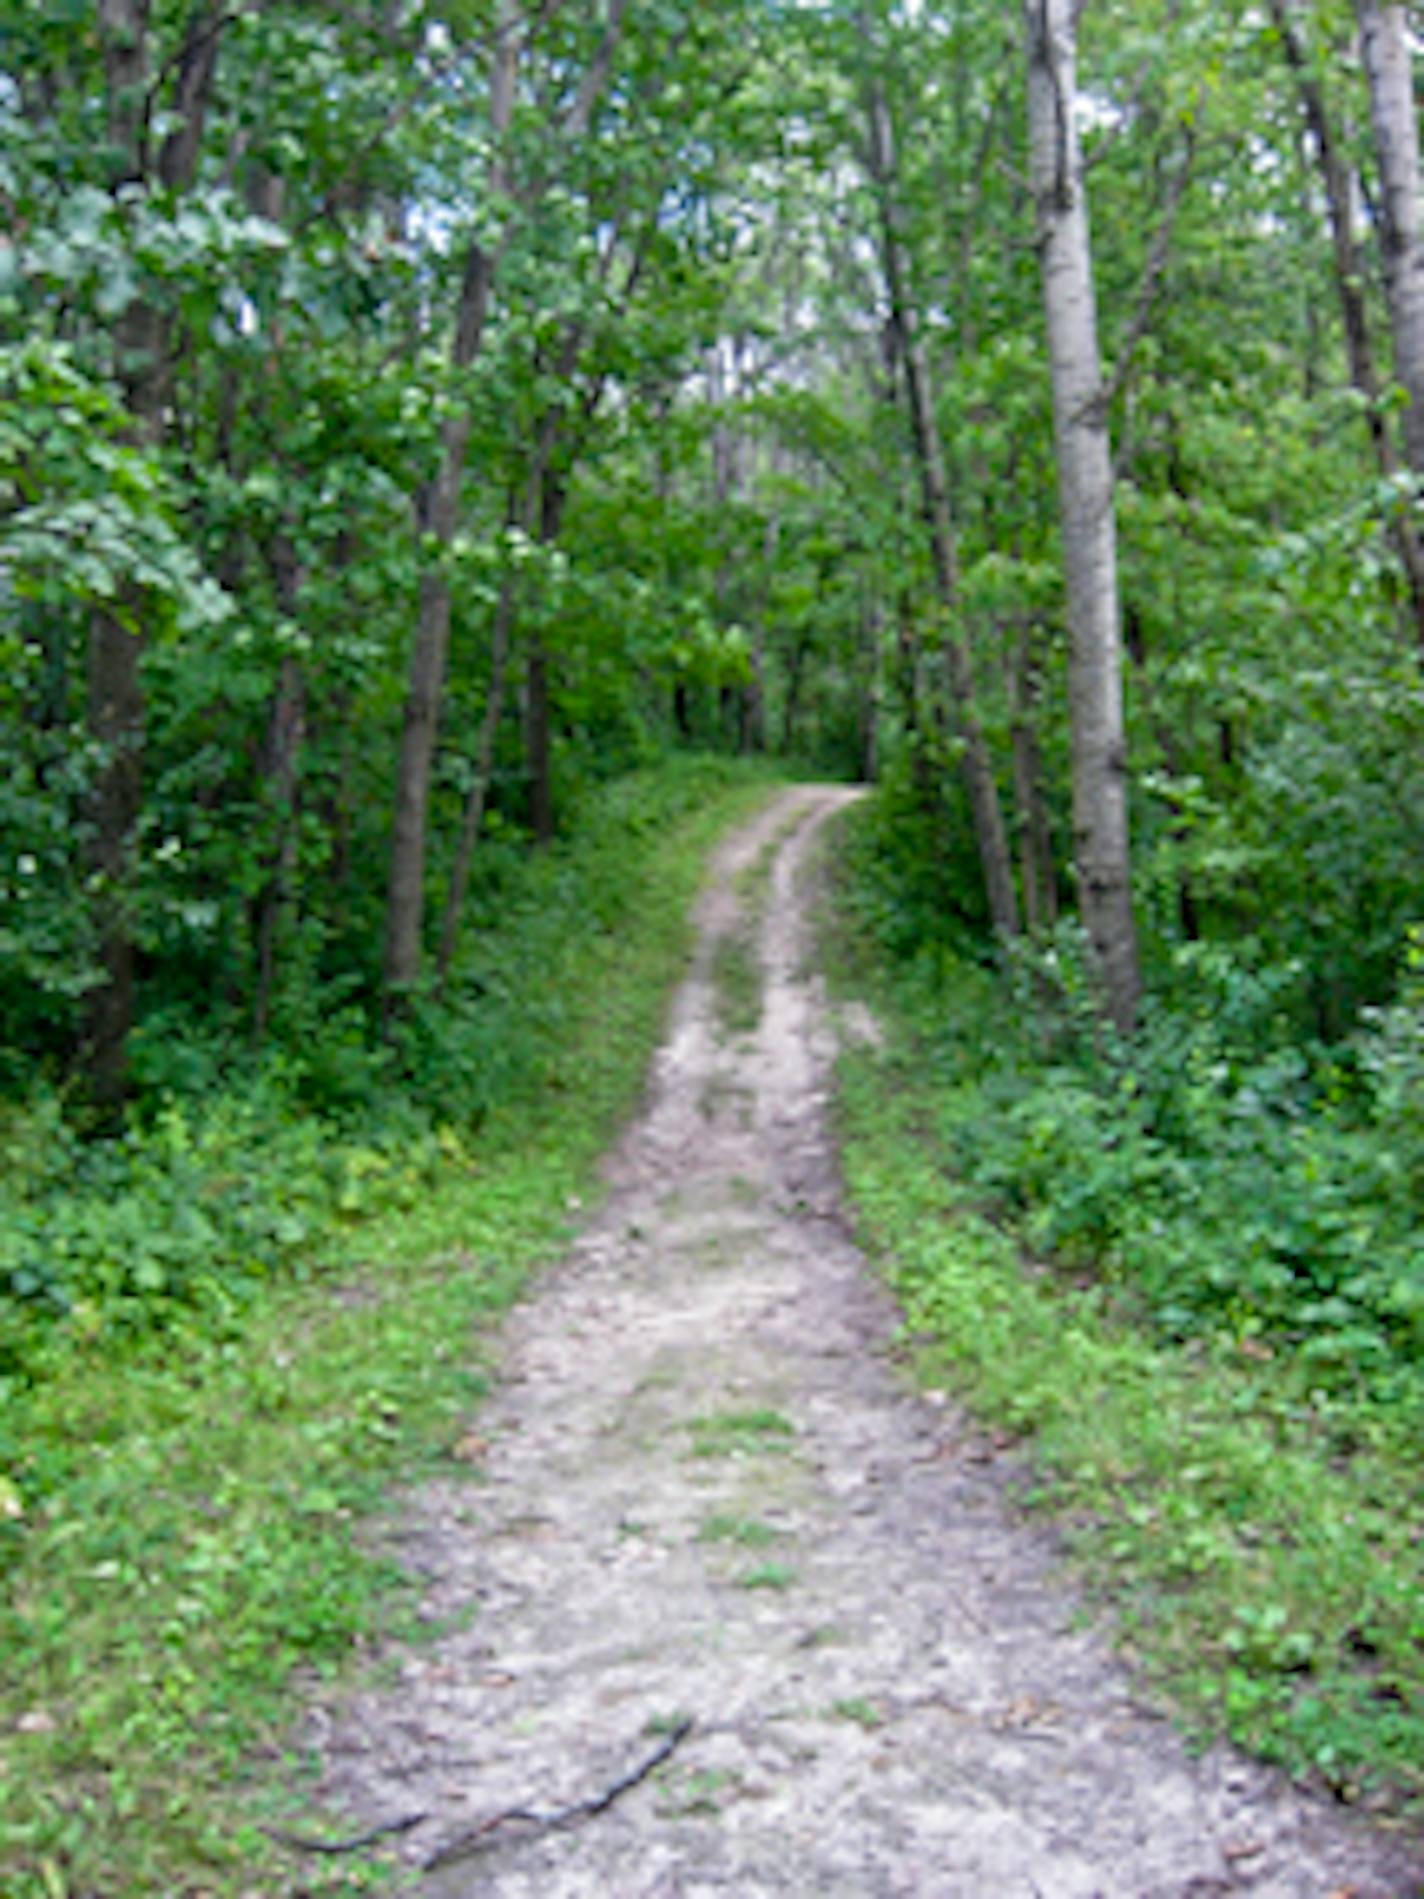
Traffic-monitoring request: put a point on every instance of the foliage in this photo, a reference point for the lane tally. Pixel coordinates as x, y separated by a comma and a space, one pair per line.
178, 1506
1232, 1178
196, 1209
1184, 1272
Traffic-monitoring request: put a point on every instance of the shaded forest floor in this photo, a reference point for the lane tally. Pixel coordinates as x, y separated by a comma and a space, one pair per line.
705, 1491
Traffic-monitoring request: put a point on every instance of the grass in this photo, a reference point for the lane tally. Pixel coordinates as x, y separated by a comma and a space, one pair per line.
1271, 1582
737, 982
738, 979
197, 1536
863, 1713
768, 1576
739, 1433
748, 1533
698, 1794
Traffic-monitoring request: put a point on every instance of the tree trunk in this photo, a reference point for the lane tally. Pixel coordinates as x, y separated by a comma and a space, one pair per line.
286, 733
405, 904
116, 715
537, 746
868, 735
478, 795
116, 724
1350, 288
1085, 483
281, 769
1384, 35
1040, 889
538, 714
990, 831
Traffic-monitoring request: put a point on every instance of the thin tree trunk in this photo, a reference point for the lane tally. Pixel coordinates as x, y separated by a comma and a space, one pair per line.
1040, 889
1187, 913
286, 734
405, 904
281, 770
868, 746
791, 708
990, 831
1349, 284
753, 711
537, 746
116, 713
538, 714
478, 795
1384, 36
1085, 482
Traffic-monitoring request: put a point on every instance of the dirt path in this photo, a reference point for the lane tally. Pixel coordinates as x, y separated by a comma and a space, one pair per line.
710, 1493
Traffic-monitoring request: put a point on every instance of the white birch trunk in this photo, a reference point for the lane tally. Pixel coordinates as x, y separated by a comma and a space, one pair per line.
1384, 35
1085, 482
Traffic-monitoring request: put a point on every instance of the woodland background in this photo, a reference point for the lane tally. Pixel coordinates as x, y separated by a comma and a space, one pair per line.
444, 445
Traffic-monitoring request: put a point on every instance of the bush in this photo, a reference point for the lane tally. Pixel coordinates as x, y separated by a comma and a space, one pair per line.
1226, 1172
209, 1191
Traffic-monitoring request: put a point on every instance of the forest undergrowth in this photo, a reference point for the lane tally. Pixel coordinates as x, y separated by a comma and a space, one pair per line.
1183, 1274
252, 1315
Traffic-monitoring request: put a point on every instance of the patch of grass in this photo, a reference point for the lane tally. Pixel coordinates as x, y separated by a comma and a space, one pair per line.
737, 979
699, 1793
768, 1576
739, 1433
864, 1713
753, 882
1259, 1537
658, 1726
749, 1533
187, 1535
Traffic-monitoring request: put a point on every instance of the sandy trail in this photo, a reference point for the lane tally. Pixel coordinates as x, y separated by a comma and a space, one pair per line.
710, 1492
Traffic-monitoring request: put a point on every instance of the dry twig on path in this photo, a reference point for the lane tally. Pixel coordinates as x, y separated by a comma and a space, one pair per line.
477, 1837
356, 1844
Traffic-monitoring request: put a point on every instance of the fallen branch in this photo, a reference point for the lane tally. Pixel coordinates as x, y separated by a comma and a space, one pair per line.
356, 1844
477, 1837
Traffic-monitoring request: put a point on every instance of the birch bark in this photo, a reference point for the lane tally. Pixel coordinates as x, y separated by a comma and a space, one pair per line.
1085, 482
1384, 37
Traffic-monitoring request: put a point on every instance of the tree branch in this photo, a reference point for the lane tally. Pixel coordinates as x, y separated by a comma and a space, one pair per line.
576, 122
1152, 275
465, 1844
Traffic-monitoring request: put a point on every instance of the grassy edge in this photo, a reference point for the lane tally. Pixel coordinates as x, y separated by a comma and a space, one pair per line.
164, 1603
1271, 1593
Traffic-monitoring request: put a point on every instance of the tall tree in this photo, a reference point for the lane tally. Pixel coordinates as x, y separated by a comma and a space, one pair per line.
990, 830
1350, 273
1384, 33
440, 516
1085, 485
142, 353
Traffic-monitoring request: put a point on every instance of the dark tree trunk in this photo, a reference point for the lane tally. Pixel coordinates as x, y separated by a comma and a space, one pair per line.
538, 715
116, 713
281, 771
116, 723
1035, 840
537, 746
405, 902
1350, 289
976, 765
478, 795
